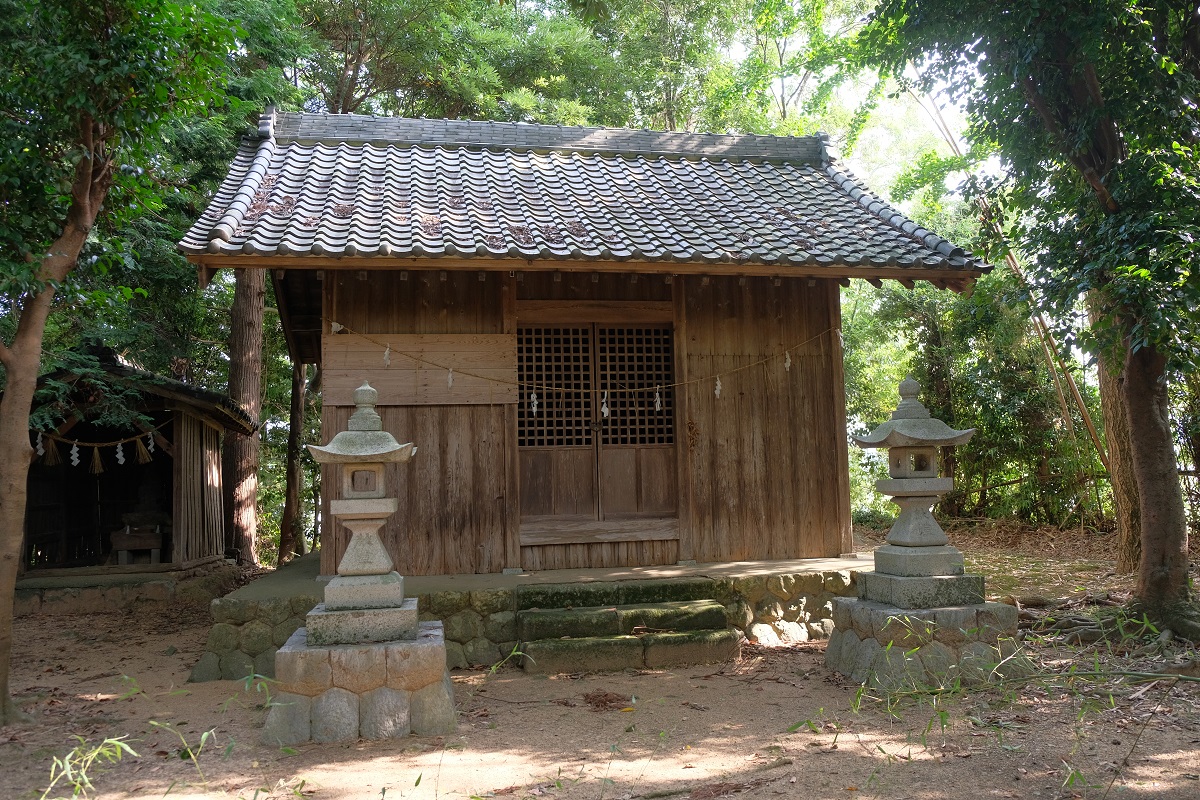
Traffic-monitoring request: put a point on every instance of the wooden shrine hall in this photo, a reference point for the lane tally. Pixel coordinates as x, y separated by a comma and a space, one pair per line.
611, 347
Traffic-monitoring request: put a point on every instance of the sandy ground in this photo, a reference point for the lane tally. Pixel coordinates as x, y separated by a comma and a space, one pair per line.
775, 724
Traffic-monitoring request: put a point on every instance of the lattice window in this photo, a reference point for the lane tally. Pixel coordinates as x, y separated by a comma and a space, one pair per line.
556, 364
632, 362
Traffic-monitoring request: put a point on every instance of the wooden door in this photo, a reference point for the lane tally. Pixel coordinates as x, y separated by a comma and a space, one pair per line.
596, 424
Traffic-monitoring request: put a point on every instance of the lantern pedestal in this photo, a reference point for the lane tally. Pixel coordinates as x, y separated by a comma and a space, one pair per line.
920, 620
363, 666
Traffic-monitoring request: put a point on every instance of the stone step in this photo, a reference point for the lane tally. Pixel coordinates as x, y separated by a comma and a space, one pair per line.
588, 595
615, 620
614, 653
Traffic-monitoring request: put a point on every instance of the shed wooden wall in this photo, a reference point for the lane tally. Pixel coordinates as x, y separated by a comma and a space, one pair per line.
762, 471
198, 527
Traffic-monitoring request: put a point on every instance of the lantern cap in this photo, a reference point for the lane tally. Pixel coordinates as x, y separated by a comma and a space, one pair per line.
912, 426
365, 440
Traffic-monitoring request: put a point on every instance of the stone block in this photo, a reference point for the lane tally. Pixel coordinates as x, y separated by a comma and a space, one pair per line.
302, 669
904, 628
750, 587
837, 582
765, 634
358, 626
864, 657
600, 654
365, 553
500, 626
940, 662
977, 662
791, 632
820, 629
566, 595
364, 591
431, 710
414, 665
555, 623
264, 662
456, 657
383, 714
284, 630
254, 637
289, 720
481, 652
236, 610
809, 583
862, 618
690, 647
740, 614
358, 668
833, 650
236, 665
684, 615
492, 601
843, 609
891, 559
302, 604
794, 611
274, 610
443, 604
996, 621
666, 590
781, 586
843, 651
893, 669
768, 610
208, 668
956, 625
335, 716
923, 592
463, 626
223, 638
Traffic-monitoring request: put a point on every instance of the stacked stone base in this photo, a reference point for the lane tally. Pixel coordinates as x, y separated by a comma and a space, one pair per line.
892, 648
383, 690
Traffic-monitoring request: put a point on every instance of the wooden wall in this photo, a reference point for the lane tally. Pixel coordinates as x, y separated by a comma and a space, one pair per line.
454, 513
765, 467
198, 527
762, 470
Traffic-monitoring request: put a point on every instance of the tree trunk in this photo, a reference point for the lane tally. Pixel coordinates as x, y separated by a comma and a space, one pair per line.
1121, 472
291, 528
1120, 456
1163, 572
240, 459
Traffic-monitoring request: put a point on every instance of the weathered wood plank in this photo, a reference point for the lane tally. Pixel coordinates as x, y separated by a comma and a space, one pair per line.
600, 311
535, 532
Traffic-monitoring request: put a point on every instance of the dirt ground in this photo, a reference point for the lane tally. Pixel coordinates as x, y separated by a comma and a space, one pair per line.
775, 724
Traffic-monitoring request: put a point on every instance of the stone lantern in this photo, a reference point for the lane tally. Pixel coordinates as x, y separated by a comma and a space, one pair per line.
917, 546
363, 666
919, 619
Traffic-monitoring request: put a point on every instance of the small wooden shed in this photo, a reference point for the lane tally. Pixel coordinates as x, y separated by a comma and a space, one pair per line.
141, 497
611, 347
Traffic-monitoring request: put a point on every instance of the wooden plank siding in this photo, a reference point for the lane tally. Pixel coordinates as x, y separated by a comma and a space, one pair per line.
766, 460
759, 473
454, 513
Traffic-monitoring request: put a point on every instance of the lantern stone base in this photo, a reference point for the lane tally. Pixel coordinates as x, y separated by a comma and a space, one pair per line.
910, 561
928, 591
364, 591
370, 691
893, 648
360, 625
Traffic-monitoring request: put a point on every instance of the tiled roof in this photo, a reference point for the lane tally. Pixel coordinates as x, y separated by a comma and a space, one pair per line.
336, 186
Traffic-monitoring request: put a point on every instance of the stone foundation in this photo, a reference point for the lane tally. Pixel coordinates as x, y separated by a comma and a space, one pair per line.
373, 691
89, 594
893, 648
481, 626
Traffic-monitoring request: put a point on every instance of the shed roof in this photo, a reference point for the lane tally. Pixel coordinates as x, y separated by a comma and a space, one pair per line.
327, 191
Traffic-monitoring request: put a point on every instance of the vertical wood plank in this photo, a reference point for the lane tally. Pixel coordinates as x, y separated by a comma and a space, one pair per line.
683, 453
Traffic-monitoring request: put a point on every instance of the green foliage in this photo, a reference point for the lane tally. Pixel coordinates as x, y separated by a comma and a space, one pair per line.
77, 768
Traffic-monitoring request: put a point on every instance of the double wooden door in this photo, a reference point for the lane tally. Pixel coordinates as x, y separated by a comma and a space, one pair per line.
596, 424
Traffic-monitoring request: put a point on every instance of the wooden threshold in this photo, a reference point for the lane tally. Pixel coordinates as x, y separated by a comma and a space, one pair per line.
537, 531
